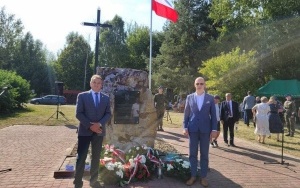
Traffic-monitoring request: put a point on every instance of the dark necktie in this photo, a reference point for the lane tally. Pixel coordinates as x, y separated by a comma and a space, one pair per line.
96, 100
228, 103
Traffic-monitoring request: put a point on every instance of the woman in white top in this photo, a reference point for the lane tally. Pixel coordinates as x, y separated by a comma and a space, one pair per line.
260, 111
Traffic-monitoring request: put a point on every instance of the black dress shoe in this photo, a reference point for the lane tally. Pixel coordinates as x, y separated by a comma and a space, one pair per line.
232, 145
78, 184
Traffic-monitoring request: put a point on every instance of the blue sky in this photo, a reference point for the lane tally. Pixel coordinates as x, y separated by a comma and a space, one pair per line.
52, 20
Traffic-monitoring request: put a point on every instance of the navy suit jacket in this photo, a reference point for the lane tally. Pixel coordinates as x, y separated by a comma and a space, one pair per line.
224, 111
86, 112
203, 120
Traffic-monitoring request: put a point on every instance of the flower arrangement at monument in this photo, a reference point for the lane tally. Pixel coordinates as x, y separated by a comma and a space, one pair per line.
174, 166
137, 164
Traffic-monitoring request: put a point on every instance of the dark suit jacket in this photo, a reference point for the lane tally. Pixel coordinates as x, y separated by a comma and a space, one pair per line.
224, 111
203, 120
86, 112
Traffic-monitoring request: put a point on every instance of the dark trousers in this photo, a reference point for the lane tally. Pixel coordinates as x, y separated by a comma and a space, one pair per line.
228, 124
160, 115
247, 116
82, 151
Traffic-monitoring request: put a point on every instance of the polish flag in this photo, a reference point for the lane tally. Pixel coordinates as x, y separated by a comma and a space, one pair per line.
164, 9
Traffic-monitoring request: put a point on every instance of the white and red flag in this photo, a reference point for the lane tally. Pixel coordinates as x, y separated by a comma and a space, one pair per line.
164, 9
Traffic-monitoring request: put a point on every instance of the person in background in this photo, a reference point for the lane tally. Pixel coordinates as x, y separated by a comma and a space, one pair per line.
299, 113
135, 111
175, 107
229, 115
181, 103
242, 112
260, 111
248, 103
213, 141
257, 101
275, 124
93, 112
289, 115
160, 104
199, 124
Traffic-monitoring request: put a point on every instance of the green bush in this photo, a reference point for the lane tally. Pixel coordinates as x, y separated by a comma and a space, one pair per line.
16, 95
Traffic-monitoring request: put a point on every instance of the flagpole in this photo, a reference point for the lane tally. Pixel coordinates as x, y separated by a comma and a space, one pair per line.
150, 55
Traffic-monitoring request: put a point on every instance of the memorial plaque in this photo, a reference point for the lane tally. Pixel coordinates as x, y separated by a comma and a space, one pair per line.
127, 106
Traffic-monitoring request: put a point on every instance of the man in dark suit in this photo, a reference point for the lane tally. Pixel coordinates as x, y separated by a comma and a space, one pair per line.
229, 116
200, 123
93, 112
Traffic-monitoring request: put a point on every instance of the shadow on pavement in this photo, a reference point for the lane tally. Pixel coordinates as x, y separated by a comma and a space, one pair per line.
265, 155
71, 126
217, 179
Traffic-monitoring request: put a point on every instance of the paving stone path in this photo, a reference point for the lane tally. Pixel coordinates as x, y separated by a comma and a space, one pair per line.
35, 152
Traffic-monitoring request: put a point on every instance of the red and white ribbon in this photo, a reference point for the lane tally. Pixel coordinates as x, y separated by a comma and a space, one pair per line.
120, 154
138, 160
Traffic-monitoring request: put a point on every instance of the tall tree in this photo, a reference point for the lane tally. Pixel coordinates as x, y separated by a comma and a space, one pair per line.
30, 63
186, 41
268, 27
230, 15
138, 43
219, 72
74, 64
279, 9
113, 49
10, 34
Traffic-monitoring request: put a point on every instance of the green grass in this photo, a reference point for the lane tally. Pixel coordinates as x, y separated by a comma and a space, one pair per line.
39, 115
291, 144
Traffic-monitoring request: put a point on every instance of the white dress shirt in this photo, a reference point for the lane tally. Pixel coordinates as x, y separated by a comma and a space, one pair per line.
230, 107
199, 100
217, 112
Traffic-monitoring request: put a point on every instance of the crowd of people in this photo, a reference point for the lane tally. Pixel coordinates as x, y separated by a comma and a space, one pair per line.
203, 116
267, 116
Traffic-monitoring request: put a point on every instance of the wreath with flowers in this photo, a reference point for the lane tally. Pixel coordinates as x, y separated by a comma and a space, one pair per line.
138, 164
178, 168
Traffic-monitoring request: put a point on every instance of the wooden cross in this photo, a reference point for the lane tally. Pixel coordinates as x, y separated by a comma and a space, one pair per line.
97, 25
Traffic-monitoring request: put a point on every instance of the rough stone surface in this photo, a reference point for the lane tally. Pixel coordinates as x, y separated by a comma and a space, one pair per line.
124, 136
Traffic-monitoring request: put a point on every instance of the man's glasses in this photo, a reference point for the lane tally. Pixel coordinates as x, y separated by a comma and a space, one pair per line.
199, 84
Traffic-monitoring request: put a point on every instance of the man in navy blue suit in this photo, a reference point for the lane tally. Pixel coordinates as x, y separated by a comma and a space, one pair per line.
93, 112
200, 123
229, 115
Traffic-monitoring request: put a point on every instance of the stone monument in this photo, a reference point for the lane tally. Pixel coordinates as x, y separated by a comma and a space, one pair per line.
125, 87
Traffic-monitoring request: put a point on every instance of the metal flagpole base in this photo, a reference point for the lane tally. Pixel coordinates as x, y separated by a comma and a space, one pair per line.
282, 161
